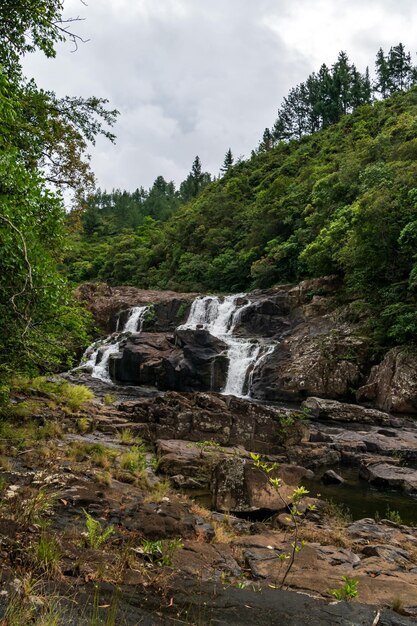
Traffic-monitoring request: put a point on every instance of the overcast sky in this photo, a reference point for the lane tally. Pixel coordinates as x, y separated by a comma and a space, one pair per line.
199, 76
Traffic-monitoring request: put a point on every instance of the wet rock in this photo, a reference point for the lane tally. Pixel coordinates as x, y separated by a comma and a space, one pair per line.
105, 302
147, 359
342, 412
391, 476
192, 360
268, 317
331, 478
392, 385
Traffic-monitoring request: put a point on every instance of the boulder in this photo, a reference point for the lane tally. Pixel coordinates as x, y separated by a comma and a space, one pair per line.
392, 385
331, 478
189, 361
390, 476
225, 420
147, 359
330, 410
239, 486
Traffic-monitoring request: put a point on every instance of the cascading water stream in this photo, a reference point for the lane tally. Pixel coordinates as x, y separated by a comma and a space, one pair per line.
219, 318
111, 345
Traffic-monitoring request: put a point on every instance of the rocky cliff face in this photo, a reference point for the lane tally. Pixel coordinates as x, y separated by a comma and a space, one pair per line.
105, 303
392, 385
305, 346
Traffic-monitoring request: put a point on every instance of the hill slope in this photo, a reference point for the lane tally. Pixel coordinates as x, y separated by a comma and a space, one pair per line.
339, 201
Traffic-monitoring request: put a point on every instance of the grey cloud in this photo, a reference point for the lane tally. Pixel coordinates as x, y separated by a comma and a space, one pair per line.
189, 76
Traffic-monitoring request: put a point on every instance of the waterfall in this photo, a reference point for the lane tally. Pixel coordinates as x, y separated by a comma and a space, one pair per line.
134, 322
219, 318
111, 345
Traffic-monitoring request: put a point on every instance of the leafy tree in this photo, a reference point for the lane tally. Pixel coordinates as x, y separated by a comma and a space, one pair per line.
42, 140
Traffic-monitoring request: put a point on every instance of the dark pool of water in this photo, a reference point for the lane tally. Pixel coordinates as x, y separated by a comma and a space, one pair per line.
362, 499
356, 496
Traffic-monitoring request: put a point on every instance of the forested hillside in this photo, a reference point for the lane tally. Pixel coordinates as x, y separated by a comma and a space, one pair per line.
342, 200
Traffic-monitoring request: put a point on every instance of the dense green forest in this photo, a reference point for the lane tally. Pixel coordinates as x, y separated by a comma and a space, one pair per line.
341, 200
43, 140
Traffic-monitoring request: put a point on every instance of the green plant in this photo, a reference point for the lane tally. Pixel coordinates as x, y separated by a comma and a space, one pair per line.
83, 425
150, 316
337, 513
160, 552
37, 505
96, 618
96, 452
109, 399
397, 605
348, 590
393, 516
134, 460
293, 510
181, 311
96, 535
209, 444
158, 491
47, 553
74, 396
128, 437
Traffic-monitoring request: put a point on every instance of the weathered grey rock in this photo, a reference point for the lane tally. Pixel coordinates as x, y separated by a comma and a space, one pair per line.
342, 412
106, 302
313, 359
311, 455
391, 476
392, 385
369, 440
226, 420
391, 554
239, 486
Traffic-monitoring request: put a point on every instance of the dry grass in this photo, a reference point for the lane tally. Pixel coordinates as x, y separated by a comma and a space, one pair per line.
5, 464
158, 491
325, 536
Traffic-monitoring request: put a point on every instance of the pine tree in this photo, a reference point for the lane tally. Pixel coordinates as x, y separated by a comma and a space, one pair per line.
400, 68
383, 80
228, 162
342, 75
195, 181
267, 141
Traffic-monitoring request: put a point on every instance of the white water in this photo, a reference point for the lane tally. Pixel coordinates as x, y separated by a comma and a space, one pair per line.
219, 318
111, 345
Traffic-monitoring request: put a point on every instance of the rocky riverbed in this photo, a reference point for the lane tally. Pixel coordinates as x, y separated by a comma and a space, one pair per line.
221, 564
